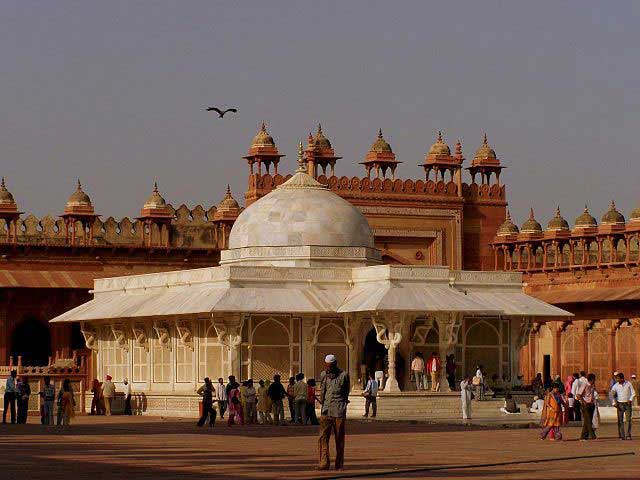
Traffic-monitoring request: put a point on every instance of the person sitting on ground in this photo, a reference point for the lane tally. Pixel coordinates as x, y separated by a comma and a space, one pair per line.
518, 383
510, 405
537, 405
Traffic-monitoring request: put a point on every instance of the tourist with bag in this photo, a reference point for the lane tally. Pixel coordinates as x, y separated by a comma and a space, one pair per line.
370, 395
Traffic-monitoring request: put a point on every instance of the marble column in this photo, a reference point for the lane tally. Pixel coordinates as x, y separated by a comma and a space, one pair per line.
389, 333
448, 326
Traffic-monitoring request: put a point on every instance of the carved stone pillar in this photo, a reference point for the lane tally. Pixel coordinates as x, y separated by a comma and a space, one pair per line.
309, 339
522, 339
611, 347
448, 326
352, 326
389, 330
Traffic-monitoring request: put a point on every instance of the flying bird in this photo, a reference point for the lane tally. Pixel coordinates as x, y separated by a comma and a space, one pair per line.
221, 113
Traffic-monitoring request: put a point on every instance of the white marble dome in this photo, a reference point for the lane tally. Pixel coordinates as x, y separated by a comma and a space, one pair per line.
301, 212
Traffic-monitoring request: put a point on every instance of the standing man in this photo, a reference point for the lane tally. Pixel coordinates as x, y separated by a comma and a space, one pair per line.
417, 368
48, 395
371, 396
23, 392
127, 397
622, 395
291, 398
586, 396
300, 399
221, 397
451, 371
276, 393
579, 380
433, 367
466, 395
207, 391
249, 403
334, 397
10, 397
109, 392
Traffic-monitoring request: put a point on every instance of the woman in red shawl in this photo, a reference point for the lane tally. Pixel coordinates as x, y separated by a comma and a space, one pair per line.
552, 414
568, 384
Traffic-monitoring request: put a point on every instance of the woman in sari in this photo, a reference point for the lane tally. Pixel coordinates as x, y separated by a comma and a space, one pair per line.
552, 414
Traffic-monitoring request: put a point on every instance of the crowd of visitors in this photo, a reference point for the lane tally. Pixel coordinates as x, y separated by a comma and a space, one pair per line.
18, 392
246, 405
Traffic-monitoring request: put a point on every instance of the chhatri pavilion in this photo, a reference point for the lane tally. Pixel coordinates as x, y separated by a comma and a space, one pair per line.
301, 278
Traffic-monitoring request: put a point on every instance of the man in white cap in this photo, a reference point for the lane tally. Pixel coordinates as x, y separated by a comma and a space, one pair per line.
334, 397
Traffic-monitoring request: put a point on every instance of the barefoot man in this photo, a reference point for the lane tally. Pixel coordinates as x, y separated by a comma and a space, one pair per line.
334, 397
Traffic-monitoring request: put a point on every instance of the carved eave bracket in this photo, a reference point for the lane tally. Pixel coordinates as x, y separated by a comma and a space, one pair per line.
448, 327
228, 329
90, 336
164, 336
526, 327
312, 332
389, 329
140, 336
120, 336
185, 335
421, 332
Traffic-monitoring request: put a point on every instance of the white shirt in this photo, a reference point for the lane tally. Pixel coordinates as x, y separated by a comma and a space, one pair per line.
127, 389
371, 388
537, 406
221, 392
479, 374
577, 383
622, 392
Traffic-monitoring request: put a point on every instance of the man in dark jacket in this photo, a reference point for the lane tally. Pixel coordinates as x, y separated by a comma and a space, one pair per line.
334, 397
276, 393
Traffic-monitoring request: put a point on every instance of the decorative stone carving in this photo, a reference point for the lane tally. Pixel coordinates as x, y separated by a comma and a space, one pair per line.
185, 335
312, 332
164, 336
389, 332
90, 336
526, 326
420, 332
120, 336
140, 336
449, 324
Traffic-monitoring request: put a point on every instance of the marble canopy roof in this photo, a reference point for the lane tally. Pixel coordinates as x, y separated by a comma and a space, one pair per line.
302, 290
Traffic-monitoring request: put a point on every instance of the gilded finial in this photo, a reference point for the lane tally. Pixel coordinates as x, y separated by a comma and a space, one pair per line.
508, 218
155, 187
558, 211
440, 136
531, 216
300, 158
613, 205
229, 188
459, 148
319, 129
586, 209
2, 184
79, 184
263, 127
380, 133
484, 140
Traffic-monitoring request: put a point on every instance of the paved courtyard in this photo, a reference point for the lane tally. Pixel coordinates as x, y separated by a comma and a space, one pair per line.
145, 447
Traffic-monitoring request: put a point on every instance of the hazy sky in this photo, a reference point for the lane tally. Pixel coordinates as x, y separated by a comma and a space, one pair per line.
113, 92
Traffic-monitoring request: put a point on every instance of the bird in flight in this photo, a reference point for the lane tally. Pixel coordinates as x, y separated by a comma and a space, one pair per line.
221, 113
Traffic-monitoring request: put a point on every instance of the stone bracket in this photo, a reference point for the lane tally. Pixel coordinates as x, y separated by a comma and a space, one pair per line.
90, 336
140, 336
164, 337
185, 335
526, 327
120, 336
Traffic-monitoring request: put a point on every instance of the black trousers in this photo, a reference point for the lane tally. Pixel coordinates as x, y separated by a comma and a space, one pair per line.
207, 411
588, 409
370, 401
23, 409
9, 403
127, 405
577, 411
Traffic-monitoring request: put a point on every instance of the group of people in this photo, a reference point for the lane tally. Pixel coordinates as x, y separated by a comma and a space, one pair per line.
265, 405
104, 394
426, 374
576, 399
18, 391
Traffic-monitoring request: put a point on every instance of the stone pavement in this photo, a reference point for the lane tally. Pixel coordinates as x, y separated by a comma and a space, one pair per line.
146, 447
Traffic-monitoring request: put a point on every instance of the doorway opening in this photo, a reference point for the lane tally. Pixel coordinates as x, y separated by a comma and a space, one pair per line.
31, 340
375, 354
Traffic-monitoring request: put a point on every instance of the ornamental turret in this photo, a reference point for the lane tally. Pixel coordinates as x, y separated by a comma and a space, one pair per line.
79, 210
440, 161
380, 159
155, 217
263, 152
9, 213
486, 163
320, 153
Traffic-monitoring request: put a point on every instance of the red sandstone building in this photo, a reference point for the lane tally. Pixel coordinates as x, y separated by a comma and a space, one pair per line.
47, 265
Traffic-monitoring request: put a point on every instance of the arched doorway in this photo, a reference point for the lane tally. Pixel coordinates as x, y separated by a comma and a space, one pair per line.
31, 339
375, 354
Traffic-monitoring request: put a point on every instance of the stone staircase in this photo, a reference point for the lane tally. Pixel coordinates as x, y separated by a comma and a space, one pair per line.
432, 406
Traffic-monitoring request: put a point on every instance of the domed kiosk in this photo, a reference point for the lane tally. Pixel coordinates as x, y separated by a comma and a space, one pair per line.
301, 278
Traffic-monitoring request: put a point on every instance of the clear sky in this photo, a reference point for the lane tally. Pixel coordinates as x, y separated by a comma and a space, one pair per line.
113, 92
